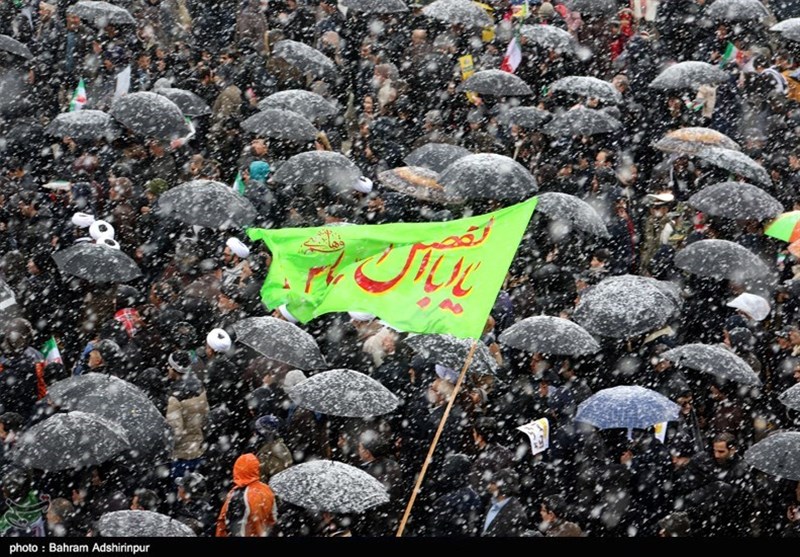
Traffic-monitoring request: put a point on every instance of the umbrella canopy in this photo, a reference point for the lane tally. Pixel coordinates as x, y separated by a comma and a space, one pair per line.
791, 397
150, 115
84, 125
777, 455
487, 176
452, 352
628, 406
436, 156
627, 305
281, 124
13, 46
190, 104
754, 306
528, 117
785, 227
689, 75
788, 28
714, 359
207, 203
304, 58
549, 36
280, 341
376, 6
8, 303
343, 392
496, 83
572, 210
737, 10
138, 524
736, 200
318, 167
550, 335
308, 104
736, 163
463, 12
14, 92
594, 7
589, 87
721, 259
416, 181
581, 121
67, 441
101, 13
693, 140
97, 263
325, 485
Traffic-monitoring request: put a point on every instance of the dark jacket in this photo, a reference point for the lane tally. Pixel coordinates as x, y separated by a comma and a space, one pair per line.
511, 521
18, 383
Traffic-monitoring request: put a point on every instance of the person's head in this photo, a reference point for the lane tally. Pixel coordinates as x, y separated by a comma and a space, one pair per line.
18, 336
371, 446
504, 484
259, 146
73, 22
439, 391
724, 447
419, 37
259, 171
156, 148
484, 431
553, 507
145, 500
10, 422
217, 342
674, 525
59, 515
179, 364
103, 353
16, 485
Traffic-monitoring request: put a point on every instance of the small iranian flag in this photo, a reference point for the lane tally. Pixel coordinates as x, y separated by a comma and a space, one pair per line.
513, 56
51, 352
238, 184
731, 54
78, 97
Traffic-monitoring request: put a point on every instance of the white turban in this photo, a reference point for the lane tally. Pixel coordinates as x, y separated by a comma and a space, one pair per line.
237, 247
82, 220
101, 229
219, 340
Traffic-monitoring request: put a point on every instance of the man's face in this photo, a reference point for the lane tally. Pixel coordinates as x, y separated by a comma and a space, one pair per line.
722, 453
685, 402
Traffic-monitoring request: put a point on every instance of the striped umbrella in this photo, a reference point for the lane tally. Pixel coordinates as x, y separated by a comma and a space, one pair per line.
786, 227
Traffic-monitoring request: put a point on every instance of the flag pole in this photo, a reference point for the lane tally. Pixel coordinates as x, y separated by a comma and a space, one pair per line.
432, 448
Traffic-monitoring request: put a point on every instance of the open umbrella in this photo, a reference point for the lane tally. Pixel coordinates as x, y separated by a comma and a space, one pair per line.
68, 441
304, 58
589, 87
310, 105
550, 335
376, 6
574, 211
694, 140
791, 397
416, 181
496, 83
97, 263
13, 46
452, 352
581, 121
101, 13
549, 36
778, 455
343, 392
436, 156
318, 167
463, 12
84, 125
594, 7
487, 176
8, 303
280, 341
141, 524
627, 305
736, 163
281, 124
788, 28
628, 407
689, 75
736, 200
150, 115
737, 10
207, 203
716, 360
721, 259
528, 117
785, 227
190, 103
328, 486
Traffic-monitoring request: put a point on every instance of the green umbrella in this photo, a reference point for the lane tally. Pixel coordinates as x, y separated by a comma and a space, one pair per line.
785, 227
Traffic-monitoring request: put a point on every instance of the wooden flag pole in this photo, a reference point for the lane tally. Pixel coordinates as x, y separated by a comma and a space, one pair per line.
432, 448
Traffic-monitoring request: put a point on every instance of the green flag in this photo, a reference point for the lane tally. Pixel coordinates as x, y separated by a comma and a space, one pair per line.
78, 97
436, 277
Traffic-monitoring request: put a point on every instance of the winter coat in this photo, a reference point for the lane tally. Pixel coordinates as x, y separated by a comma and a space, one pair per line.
561, 528
18, 392
187, 408
249, 509
511, 521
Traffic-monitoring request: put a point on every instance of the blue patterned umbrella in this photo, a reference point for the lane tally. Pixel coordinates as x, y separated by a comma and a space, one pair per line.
628, 407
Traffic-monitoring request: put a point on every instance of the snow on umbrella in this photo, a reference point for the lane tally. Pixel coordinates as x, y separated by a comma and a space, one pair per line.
581, 121
416, 181
328, 486
788, 28
736, 200
589, 87
487, 176
495, 83
463, 12
343, 392
714, 359
101, 13
13, 46
318, 167
689, 75
736, 163
628, 407
376, 6
207, 203
69, 440
84, 125
97, 263
281, 124
150, 115
594, 7
549, 36
310, 105
528, 117
737, 10
452, 352
777, 455
280, 341
436, 156
694, 140
627, 305
721, 259
570, 209
190, 103
791, 397
304, 58
139, 524
550, 335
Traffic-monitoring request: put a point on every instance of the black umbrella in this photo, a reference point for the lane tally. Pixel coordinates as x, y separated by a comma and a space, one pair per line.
101, 13
626, 306
575, 212
463, 12
594, 7
487, 176
528, 117
280, 341
550, 335
416, 181
281, 124
376, 6
589, 87
791, 397
304, 58
436, 156
689, 75
737, 10
581, 121
150, 115
721, 259
207, 203
318, 167
308, 104
343, 392
736, 163
13, 46
736, 200
452, 352
777, 455
496, 83
96, 263
84, 125
190, 104
67, 441
694, 140
714, 359
788, 28
141, 524
549, 36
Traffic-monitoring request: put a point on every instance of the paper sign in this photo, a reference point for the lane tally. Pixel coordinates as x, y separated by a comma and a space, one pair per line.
123, 82
538, 431
467, 69
661, 431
